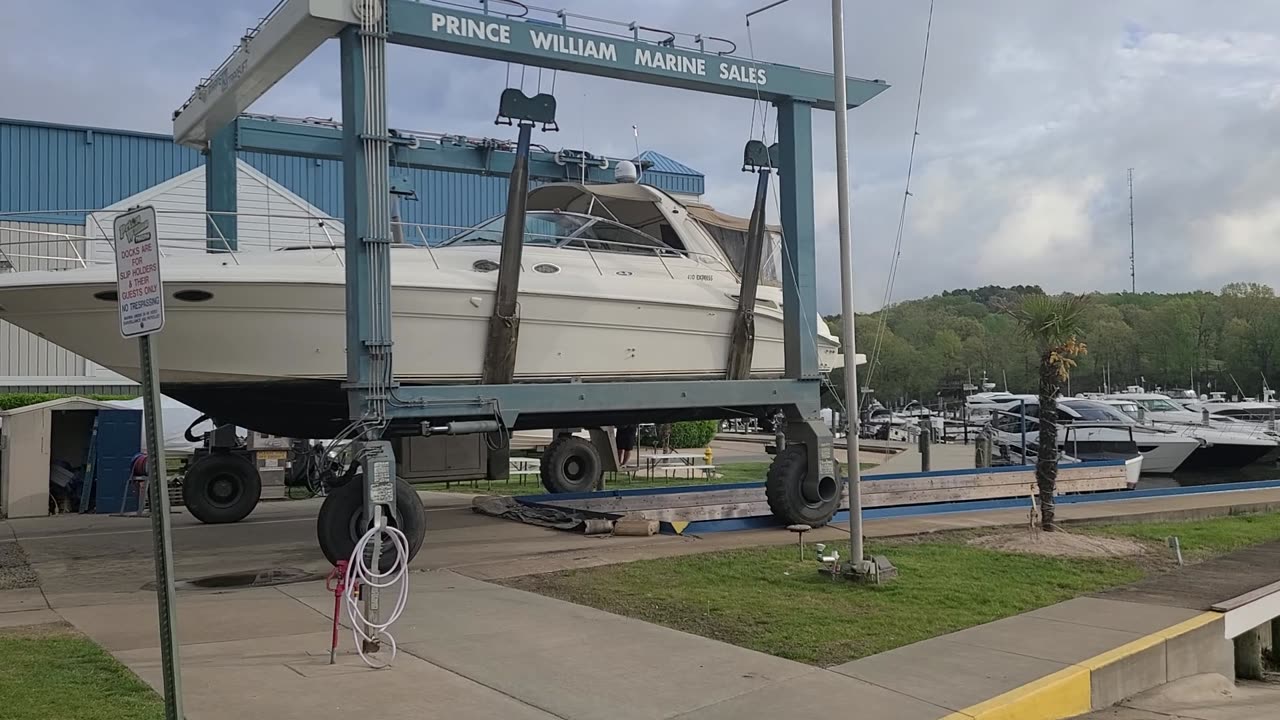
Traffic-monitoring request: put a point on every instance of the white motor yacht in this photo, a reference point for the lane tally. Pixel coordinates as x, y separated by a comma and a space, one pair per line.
1094, 430
1227, 442
619, 282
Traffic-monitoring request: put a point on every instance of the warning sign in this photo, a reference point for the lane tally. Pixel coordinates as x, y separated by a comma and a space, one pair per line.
141, 296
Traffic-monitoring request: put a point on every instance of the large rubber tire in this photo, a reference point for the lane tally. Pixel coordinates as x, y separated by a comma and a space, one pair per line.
341, 522
221, 488
571, 464
785, 488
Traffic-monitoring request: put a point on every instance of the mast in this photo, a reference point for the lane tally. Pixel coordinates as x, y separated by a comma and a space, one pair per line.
1133, 276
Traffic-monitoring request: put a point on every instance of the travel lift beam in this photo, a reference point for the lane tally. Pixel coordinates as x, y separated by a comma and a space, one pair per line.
365, 27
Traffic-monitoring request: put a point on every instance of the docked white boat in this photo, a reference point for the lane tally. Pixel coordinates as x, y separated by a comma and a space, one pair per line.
1226, 441
1095, 430
619, 282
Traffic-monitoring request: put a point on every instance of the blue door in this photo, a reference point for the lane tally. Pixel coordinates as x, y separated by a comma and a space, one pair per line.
119, 441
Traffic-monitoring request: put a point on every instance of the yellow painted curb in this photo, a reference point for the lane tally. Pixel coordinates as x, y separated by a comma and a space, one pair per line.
1187, 626
1063, 694
1068, 692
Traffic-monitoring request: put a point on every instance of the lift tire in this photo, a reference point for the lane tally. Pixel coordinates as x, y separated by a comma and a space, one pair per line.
221, 488
341, 523
571, 464
785, 491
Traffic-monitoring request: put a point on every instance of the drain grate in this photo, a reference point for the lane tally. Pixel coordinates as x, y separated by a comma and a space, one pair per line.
246, 579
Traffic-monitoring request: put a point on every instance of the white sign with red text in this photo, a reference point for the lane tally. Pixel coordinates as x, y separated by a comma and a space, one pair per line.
138, 286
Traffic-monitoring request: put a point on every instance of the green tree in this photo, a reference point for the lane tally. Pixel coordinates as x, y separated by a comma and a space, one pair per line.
1053, 326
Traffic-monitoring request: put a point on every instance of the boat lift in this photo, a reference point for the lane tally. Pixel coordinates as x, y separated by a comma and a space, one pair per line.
803, 483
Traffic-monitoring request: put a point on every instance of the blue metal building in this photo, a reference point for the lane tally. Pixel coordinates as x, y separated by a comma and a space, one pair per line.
48, 167
52, 174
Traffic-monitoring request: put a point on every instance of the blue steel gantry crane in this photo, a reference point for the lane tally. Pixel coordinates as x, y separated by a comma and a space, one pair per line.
803, 483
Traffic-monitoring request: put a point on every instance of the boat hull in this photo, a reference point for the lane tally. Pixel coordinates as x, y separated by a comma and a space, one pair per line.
1226, 456
271, 355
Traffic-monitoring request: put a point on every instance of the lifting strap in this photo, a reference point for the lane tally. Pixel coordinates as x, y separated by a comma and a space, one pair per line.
760, 159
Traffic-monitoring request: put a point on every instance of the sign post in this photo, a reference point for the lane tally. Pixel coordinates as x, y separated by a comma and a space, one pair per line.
141, 303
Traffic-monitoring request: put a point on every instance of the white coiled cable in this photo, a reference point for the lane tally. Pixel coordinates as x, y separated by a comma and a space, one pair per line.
358, 572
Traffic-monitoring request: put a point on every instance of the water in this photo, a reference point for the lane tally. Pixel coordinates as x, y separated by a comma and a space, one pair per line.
1268, 470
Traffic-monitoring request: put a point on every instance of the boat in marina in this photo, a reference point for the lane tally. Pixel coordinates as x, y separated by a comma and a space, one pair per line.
1226, 441
619, 282
1094, 430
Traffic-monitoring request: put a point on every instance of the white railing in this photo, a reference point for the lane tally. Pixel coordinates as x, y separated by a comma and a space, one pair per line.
313, 232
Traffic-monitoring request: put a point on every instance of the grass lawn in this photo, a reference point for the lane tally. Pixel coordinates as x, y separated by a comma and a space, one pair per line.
1201, 538
767, 599
727, 473
50, 672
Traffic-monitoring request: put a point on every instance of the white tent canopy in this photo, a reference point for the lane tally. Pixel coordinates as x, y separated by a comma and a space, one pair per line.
176, 418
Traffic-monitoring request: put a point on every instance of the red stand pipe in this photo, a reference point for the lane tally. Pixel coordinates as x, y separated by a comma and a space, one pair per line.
337, 582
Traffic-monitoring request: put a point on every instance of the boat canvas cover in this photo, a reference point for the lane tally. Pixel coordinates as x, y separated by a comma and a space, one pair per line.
730, 233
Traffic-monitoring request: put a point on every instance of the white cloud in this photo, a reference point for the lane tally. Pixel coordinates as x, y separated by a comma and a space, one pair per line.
1032, 113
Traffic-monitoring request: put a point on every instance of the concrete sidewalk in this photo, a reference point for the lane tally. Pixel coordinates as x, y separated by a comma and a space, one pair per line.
474, 649
471, 649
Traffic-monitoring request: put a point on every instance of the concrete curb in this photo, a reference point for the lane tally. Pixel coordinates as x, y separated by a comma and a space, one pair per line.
1185, 649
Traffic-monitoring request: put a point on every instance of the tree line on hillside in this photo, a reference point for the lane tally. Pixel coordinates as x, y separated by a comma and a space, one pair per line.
930, 347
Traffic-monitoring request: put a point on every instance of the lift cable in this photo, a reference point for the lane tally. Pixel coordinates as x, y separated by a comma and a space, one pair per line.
877, 347
805, 314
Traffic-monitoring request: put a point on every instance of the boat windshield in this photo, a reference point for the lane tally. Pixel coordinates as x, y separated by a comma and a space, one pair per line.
1128, 408
1098, 412
1158, 405
540, 228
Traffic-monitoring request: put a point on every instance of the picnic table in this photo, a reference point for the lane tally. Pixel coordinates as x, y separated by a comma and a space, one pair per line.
691, 462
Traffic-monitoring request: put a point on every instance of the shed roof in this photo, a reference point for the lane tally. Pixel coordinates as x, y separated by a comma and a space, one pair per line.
67, 403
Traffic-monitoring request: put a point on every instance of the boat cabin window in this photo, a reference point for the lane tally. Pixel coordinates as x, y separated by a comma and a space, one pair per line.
604, 236
1158, 405
1089, 412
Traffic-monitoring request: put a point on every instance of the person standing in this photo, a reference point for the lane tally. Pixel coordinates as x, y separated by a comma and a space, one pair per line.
664, 437
626, 436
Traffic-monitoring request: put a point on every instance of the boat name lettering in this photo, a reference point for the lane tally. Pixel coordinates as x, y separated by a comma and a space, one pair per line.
703, 278
645, 56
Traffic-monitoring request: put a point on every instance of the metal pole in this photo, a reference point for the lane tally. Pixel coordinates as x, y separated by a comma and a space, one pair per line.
924, 449
161, 532
856, 555
1022, 421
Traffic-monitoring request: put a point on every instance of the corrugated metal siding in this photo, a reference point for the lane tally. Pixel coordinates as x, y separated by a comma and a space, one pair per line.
686, 184
49, 168
33, 246
113, 390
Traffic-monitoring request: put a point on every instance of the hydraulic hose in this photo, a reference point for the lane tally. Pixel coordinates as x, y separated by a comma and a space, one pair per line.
360, 573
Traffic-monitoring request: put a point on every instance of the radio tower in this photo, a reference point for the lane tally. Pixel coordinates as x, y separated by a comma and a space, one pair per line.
1133, 276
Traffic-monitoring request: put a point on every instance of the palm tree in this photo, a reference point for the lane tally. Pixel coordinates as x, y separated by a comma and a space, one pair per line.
1052, 324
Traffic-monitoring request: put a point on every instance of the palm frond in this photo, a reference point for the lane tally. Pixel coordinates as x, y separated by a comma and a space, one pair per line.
1051, 321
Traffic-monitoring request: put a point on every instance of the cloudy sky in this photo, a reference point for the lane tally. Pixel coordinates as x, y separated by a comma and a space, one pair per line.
1032, 113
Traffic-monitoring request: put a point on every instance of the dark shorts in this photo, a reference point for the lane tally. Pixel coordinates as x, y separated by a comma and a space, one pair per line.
627, 437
